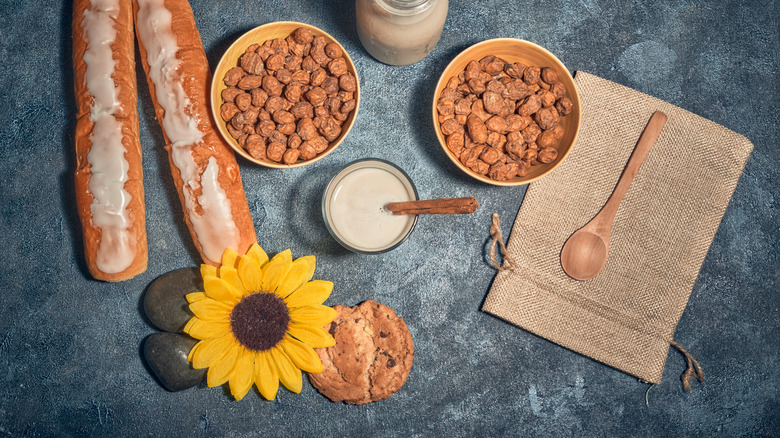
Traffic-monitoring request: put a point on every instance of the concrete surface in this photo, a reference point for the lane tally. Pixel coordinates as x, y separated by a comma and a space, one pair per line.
70, 358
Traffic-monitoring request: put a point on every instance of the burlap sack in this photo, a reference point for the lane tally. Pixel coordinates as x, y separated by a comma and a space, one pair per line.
626, 316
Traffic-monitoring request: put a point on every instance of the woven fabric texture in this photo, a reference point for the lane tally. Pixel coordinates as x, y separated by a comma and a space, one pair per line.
625, 317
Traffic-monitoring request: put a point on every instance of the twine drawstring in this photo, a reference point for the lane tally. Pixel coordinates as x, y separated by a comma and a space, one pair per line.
495, 234
693, 370
647, 394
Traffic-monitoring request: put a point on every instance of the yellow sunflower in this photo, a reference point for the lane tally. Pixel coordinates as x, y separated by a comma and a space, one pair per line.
259, 321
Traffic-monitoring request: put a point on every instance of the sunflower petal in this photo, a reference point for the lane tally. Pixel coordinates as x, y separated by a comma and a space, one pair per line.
301, 271
223, 369
200, 329
195, 296
301, 355
266, 377
289, 374
314, 336
229, 258
318, 315
221, 290
192, 350
250, 273
257, 253
230, 275
208, 271
309, 294
275, 270
211, 350
211, 310
242, 379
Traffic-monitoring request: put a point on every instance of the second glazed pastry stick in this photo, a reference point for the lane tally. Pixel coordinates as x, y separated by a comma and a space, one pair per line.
203, 166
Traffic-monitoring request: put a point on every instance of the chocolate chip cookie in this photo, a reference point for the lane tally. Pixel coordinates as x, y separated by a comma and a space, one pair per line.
372, 356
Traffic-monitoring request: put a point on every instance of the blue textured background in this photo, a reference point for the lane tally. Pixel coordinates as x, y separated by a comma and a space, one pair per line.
70, 361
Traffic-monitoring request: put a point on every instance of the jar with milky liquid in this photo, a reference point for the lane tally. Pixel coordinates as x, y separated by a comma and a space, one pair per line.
400, 32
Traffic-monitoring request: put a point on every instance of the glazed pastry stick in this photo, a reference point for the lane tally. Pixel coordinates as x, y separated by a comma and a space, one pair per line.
109, 176
203, 166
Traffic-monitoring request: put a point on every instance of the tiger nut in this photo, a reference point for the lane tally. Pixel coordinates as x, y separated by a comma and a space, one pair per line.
476, 129
469, 156
252, 63
497, 124
348, 106
564, 106
275, 151
228, 110
546, 139
531, 75
250, 81
233, 76
455, 142
530, 105
316, 96
347, 82
302, 35
490, 155
230, 93
283, 117
306, 129
480, 167
243, 101
302, 110
549, 75
320, 144
450, 126
271, 85
333, 51
330, 85
337, 67
330, 129
291, 156
547, 155
275, 62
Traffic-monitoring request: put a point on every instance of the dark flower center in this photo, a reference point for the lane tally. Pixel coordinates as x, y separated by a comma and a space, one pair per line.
259, 321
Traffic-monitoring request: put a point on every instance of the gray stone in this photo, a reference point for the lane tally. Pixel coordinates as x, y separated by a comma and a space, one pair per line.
166, 356
165, 303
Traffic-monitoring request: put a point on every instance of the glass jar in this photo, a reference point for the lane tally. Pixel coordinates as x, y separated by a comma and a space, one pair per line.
400, 32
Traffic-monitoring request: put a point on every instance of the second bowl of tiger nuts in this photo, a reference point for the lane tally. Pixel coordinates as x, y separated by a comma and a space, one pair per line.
285, 94
506, 111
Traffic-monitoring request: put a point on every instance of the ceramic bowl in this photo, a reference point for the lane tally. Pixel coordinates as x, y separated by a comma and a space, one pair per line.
527, 53
258, 35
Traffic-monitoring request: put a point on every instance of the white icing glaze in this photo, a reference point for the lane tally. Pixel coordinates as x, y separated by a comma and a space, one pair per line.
108, 165
213, 221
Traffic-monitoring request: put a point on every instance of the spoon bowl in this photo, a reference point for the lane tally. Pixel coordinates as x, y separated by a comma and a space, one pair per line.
584, 255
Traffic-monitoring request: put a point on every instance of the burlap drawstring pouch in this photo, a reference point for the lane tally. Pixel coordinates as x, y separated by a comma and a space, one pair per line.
625, 317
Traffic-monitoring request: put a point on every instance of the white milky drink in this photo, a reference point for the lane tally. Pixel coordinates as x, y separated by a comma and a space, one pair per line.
354, 206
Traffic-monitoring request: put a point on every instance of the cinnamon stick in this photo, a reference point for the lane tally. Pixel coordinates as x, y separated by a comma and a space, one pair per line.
465, 205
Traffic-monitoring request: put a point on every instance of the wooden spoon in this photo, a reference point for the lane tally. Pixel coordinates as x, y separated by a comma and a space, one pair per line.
585, 252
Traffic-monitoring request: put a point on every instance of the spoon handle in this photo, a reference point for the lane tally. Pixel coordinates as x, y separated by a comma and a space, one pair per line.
643, 146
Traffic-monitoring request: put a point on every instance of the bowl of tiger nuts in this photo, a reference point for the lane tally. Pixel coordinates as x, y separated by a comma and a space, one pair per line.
506, 111
285, 94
